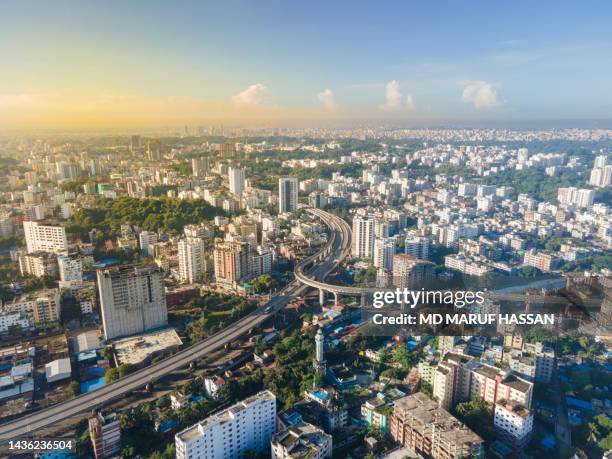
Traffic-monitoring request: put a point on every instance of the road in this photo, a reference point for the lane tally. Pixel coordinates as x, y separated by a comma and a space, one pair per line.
334, 250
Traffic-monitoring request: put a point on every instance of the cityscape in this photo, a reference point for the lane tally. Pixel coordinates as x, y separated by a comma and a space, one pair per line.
250, 257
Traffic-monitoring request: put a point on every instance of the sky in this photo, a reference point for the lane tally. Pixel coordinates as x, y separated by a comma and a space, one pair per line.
89, 64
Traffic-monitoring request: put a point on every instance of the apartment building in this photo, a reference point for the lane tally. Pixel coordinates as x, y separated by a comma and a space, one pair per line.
45, 236
410, 272
419, 423
513, 422
246, 426
493, 384
132, 300
301, 440
105, 435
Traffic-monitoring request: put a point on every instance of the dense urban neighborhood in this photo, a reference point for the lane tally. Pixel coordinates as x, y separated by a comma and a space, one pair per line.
208, 293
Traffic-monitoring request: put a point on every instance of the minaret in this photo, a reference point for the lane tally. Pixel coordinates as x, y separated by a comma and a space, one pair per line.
319, 362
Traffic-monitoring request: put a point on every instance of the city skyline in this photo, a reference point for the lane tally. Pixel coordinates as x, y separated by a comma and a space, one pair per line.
154, 65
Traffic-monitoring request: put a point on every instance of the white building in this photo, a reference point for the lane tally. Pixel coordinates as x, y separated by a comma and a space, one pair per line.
12, 319
301, 440
514, 423
192, 259
146, 240
579, 197
287, 194
384, 249
213, 385
45, 237
132, 300
236, 180
246, 426
418, 247
363, 237
58, 370
70, 268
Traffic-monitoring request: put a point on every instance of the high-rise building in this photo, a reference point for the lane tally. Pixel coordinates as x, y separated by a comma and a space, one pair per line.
287, 194
246, 426
105, 435
132, 300
601, 174
227, 150
192, 259
410, 272
146, 240
70, 268
135, 142
236, 180
579, 197
452, 380
384, 250
363, 237
45, 237
231, 261
418, 247
39, 264
199, 166
420, 424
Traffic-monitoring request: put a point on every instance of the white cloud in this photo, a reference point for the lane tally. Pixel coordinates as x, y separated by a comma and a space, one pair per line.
409, 102
393, 98
327, 99
251, 96
480, 94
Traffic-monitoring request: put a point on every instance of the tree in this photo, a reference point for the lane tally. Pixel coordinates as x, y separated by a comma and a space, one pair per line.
74, 388
264, 283
401, 356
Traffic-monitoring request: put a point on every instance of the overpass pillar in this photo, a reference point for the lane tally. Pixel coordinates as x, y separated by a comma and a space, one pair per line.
363, 297
335, 298
321, 296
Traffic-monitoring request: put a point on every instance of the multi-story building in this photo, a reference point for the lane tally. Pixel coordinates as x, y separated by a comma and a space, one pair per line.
146, 240
231, 262
45, 237
287, 194
410, 272
493, 384
513, 422
70, 268
8, 320
579, 197
105, 435
544, 360
543, 261
452, 380
246, 426
39, 264
363, 237
420, 424
601, 174
260, 261
236, 180
199, 166
376, 413
191, 259
417, 246
132, 300
43, 306
384, 249
301, 440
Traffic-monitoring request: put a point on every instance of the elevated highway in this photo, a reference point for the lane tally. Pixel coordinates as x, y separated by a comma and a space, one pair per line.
326, 260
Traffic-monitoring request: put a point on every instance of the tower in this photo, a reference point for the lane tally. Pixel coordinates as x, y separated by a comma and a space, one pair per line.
319, 362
